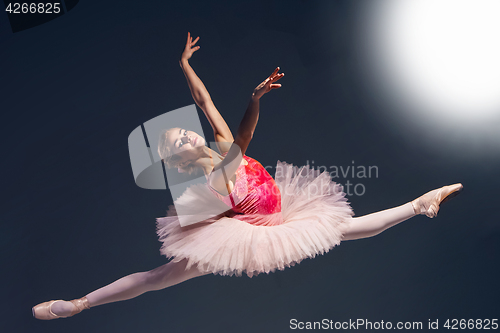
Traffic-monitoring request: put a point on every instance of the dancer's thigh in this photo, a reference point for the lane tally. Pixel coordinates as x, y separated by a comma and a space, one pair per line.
172, 273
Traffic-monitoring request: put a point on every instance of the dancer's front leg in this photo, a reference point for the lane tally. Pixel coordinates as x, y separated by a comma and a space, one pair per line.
130, 286
373, 224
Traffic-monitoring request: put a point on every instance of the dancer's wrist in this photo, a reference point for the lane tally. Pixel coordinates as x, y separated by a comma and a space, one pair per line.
183, 62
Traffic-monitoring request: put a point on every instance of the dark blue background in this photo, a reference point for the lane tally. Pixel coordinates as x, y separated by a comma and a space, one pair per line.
73, 219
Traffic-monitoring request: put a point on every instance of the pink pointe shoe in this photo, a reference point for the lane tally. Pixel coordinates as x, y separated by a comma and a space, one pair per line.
429, 203
43, 311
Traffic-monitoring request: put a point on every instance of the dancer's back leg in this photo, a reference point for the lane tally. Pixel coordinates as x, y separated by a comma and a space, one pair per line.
134, 285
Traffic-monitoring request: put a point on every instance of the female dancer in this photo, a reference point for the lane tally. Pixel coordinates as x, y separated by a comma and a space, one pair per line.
270, 223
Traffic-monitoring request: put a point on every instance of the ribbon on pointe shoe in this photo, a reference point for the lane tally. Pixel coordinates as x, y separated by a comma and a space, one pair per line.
80, 305
444, 194
44, 311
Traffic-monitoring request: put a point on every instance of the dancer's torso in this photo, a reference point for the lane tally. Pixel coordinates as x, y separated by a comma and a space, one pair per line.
254, 190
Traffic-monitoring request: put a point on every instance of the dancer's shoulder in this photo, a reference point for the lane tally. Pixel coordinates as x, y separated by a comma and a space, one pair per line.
244, 161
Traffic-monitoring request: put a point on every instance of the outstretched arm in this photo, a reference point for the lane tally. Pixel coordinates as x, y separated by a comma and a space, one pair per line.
249, 122
202, 98
219, 179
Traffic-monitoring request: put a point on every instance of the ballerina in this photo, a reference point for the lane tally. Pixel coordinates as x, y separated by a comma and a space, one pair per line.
269, 224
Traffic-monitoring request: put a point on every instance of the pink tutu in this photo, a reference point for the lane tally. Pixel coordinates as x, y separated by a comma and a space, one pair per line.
309, 218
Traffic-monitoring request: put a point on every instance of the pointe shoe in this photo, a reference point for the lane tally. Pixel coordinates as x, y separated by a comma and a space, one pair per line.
429, 203
43, 311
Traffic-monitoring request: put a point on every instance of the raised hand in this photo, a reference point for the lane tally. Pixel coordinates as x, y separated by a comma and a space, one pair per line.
190, 48
268, 84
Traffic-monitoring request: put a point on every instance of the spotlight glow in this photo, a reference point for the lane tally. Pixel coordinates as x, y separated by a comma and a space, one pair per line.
442, 57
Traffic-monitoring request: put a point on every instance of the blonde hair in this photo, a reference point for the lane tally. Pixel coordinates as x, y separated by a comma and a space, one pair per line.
172, 160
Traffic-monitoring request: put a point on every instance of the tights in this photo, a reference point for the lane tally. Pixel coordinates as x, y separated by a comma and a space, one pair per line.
172, 273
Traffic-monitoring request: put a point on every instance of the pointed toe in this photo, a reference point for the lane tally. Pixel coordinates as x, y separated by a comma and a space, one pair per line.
429, 203
43, 311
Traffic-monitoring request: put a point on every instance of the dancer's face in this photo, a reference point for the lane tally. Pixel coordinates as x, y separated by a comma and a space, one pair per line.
183, 142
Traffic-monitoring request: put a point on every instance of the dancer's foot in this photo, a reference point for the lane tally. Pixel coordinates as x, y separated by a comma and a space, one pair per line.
63, 308
429, 203
60, 309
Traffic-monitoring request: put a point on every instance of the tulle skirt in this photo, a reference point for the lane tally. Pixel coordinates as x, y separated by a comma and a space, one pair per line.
314, 216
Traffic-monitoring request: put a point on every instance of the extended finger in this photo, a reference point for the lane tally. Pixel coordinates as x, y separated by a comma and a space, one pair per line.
275, 85
277, 77
197, 38
274, 73
189, 36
